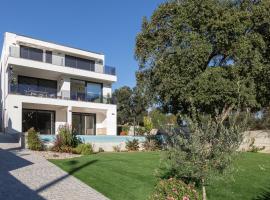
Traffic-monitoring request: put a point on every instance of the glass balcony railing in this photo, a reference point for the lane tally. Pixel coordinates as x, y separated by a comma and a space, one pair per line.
110, 70
64, 94
48, 57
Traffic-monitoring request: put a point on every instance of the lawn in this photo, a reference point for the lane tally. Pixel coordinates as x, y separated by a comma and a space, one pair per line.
122, 176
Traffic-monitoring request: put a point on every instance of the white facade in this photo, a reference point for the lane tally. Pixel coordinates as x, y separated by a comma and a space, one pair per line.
51, 66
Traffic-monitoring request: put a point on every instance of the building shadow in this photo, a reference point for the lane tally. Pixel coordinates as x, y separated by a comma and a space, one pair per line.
65, 176
265, 195
10, 187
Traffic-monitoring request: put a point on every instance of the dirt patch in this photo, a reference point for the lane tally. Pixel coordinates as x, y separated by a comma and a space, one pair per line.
55, 155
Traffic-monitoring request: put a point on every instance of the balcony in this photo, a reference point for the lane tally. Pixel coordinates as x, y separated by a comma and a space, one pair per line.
64, 94
49, 57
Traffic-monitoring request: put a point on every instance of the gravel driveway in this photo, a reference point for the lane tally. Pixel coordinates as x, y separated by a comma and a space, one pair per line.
25, 175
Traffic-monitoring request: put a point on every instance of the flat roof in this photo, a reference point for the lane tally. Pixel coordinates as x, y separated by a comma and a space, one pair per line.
57, 43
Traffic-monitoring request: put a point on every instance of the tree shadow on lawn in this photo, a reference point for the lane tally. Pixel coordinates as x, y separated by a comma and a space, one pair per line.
265, 195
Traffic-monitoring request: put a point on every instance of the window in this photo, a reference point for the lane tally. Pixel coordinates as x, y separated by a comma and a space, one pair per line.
86, 91
43, 121
31, 53
48, 57
36, 86
94, 92
79, 63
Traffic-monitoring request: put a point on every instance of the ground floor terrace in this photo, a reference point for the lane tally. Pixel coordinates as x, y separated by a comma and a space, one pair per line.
85, 118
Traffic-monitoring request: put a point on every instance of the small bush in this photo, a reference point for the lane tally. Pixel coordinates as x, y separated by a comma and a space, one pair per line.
152, 144
140, 130
254, 149
116, 148
174, 189
100, 149
33, 141
65, 140
84, 149
132, 145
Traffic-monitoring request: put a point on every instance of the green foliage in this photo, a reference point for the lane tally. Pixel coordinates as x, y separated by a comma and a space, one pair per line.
148, 125
116, 148
262, 123
206, 149
159, 120
174, 189
132, 145
125, 128
33, 140
253, 148
152, 143
65, 140
131, 105
84, 149
100, 149
211, 54
139, 130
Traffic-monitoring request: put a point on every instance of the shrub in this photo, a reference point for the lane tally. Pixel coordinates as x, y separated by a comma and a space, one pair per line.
116, 148
65, 140
254, 149
33, 141
174, 189
140, 130
84, 149
152, 143
132, 145
100, 149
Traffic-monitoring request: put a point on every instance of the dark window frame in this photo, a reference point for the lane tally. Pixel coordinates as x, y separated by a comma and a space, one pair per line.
42, 110
28, 50
75, 63
38, 82
81, 114
85, 86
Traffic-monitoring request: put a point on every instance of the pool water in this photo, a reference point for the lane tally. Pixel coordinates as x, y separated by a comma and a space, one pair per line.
97, 138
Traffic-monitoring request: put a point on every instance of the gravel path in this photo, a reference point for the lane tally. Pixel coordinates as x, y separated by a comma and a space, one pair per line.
25, 175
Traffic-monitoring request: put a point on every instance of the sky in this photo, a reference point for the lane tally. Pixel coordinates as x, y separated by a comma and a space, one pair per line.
106, 26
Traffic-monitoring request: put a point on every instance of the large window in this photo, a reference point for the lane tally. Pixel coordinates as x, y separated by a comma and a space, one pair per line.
36, 86
79, 63
86, 91
31, 53
84, 123
42, 121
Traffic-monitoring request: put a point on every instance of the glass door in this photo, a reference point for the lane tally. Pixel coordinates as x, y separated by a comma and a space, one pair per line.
84, 123
88, 125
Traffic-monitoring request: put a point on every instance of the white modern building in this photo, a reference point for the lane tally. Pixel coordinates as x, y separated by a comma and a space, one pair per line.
45, 85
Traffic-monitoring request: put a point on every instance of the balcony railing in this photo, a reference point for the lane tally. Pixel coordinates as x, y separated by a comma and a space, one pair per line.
59, 60
64, 94
110, 70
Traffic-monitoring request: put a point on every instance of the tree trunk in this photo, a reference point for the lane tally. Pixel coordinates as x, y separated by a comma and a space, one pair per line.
204, 190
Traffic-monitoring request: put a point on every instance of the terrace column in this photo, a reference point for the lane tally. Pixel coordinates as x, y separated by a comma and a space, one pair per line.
69, 115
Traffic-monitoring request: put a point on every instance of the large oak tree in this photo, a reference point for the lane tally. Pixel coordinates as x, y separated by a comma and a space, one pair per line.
212, 54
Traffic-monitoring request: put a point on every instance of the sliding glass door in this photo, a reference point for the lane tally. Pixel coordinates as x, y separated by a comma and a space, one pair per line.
41, 120
84, 123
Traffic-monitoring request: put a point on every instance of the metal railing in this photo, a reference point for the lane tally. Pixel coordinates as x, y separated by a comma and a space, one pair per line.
14, 51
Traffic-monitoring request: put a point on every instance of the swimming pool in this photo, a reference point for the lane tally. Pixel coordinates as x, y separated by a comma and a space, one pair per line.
97, 138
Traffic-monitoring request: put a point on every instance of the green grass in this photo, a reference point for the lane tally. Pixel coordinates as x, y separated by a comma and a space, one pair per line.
122, 176
116, 175
250, 180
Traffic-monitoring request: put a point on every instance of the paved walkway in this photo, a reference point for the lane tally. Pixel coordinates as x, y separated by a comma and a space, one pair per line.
25, 175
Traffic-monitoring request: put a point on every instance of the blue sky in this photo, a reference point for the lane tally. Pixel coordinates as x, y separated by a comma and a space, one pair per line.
107, 26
